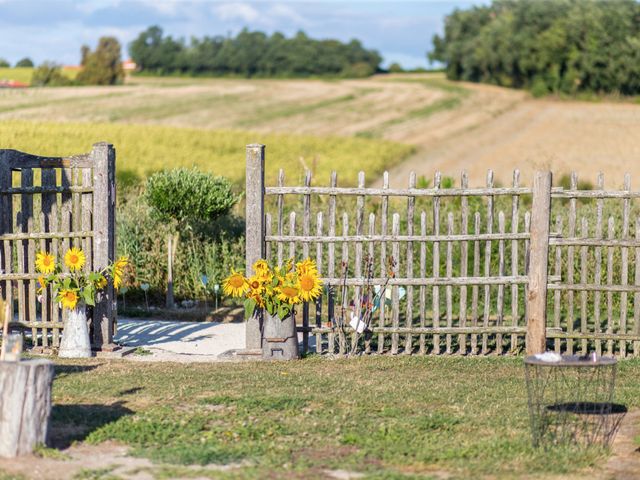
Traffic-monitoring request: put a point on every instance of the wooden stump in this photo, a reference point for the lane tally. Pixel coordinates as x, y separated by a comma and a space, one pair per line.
25, 405
280, 340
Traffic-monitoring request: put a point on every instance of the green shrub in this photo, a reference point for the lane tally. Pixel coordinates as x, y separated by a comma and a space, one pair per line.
49, 74
189, 196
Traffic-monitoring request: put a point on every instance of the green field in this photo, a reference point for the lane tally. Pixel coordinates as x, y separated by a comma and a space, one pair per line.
384, 417
142, 149
23, 74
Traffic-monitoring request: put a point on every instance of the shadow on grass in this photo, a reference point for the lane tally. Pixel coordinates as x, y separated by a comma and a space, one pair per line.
73, 423
62, 371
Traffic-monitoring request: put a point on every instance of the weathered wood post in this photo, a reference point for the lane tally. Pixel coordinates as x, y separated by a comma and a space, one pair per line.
25, 405
538, 259
255, 230
103, 158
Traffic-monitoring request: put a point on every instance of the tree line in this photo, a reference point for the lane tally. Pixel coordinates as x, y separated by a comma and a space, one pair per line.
560, 46
252, 54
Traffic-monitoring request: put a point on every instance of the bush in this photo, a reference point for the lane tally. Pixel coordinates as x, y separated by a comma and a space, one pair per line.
49, 74
25, 62
102, 66
4, 63
189, 196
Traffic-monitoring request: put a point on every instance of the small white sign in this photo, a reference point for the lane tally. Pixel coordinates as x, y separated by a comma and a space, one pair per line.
357, 324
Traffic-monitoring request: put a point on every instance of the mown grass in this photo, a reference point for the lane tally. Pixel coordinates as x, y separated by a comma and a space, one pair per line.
385, 417
143, 149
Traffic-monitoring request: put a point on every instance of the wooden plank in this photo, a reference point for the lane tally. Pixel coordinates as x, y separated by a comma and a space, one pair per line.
86, 206
475, 290
557, 306
383, 254
306, 230
411, 202
320, 265
449, 288
435, 296
500, 297
280, 206
539, 251
636, 296
584, 231
104, 203
422, 349
268, 245
395, 294
515, 219
358, 291
464, 260
24, 223
331, 265
50, 211
598, 265
455, 238
344, 309
487, 263
403, 192
624, 274
610, 233
370, 272
570, 263
527, 255
6, 227
17, 159
66, 210
292, 232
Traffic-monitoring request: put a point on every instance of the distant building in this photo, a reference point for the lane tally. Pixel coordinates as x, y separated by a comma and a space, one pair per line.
129, 66
12, 84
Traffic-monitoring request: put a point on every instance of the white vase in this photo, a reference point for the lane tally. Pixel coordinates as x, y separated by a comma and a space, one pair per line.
75, 334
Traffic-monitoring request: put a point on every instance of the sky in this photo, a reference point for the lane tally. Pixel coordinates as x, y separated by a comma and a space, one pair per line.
54, 30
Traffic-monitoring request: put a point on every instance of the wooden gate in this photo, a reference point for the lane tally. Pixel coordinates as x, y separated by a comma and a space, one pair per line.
51, 204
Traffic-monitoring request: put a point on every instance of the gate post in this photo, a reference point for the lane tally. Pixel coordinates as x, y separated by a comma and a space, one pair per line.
538, 263
103, 158
255, 230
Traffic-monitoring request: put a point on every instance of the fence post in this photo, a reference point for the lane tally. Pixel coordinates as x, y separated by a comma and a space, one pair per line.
103, 157
538, 260
255, 230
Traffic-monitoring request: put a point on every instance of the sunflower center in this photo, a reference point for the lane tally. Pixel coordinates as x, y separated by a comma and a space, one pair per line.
307, 283
255, 284
70, 296
73, 258
236, 281
46, 261
290, 291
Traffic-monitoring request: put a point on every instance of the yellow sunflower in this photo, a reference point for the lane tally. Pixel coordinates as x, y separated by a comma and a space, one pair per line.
261, 267
306, 266
256, 285
74, 259
101, 283
289, 293
45, 262
118, 270
310, 286
235, 284
68, 298
42, 284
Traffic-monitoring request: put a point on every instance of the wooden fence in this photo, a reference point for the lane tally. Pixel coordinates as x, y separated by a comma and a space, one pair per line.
475, 270
51, 204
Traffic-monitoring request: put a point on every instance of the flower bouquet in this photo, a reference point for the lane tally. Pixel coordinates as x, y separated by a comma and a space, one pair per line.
73, 291
276, 291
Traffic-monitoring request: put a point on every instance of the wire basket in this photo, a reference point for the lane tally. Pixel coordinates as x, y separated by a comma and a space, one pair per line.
571, 401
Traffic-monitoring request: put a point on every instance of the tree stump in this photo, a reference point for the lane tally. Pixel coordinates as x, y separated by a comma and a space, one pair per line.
25, 405
280, 340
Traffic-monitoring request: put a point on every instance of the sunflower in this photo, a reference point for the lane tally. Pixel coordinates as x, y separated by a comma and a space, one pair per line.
306, 266
118, 270
289, 293
235, 284
256, 285
68, 298
42, 284
45, 262
261, 267
309, 284
74, 259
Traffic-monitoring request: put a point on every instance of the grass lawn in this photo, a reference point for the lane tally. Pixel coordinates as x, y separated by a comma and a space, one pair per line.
385, 417
23, 74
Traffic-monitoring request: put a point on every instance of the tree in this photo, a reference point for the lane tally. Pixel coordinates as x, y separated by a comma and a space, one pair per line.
25, 62
49, 74
4, 63
104, 65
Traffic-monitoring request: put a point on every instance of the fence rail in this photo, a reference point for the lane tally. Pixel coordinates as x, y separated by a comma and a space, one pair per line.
489, 269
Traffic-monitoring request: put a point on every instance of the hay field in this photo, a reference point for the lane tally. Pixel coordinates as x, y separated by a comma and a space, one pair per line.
451, 126
23, 74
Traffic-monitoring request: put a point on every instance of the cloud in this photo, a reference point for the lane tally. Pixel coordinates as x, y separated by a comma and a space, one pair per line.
236, 11
285, 12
